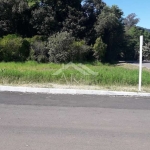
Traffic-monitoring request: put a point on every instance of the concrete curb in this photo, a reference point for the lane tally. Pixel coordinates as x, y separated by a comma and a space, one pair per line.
70, 91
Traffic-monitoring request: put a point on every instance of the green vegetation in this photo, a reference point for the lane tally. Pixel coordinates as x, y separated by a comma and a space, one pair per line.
13, 48
33, 32
61, 30
33, 72
99, 49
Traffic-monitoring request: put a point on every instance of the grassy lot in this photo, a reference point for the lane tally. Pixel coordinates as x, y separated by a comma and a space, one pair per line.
35, 73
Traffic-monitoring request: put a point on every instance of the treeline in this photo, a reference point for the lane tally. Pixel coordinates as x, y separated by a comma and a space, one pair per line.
63, 31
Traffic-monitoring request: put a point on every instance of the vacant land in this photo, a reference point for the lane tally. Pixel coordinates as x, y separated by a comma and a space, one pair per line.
94, 74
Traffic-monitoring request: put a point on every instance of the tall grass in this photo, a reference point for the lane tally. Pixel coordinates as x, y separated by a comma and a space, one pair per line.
33, 72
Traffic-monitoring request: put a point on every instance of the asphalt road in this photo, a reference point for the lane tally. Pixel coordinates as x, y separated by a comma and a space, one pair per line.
144, 64
67, 122
147, 65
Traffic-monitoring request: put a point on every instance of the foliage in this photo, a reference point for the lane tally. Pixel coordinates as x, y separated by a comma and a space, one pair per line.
130, 21
36, 38
132, 42
32, 2
63, 48
85, 20
43, 20
59, 46
92, 8
14, 17
14, 48
38, 51
146, 51
109, 26
75, 23
99, 49
79, 51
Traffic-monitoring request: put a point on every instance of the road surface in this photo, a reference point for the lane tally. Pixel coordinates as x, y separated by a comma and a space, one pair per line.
144, 64
67, 122
147, 65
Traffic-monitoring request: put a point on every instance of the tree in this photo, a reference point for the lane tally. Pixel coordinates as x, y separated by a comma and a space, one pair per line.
110, 27
14, 17
131, 21
131, 51
50, 15
91, 8
43, 20
75, 23
99, 49
5, 16
133, 35
21, 14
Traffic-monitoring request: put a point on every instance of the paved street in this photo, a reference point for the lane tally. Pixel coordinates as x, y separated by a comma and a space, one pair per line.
144, 64
147, 65
67, 122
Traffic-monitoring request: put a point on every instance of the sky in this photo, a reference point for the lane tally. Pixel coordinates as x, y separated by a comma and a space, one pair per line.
139, 7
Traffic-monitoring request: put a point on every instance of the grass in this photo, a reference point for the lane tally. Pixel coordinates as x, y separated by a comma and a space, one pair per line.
35, 73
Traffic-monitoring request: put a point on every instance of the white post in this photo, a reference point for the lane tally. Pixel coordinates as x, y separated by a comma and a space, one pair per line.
140, 63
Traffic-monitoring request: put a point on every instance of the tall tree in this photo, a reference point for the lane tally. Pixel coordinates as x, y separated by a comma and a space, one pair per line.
109, 25
43, 20
132, 42
49, 16
91, 8
75, 23
14, 17
130, 21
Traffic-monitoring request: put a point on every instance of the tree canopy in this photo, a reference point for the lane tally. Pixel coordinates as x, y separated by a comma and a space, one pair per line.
91, 21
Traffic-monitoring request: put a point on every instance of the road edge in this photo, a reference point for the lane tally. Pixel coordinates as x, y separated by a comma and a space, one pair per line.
70, 91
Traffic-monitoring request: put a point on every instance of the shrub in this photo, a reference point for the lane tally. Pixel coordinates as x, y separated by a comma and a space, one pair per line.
38, 51
63, 48
14, 48
1, 52
36, 38
79, 51
59, 46
99, 49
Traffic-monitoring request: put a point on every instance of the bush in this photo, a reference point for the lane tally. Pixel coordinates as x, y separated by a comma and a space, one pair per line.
1, 51
99, 49
63, 48
39, 51
14, 48
79, 51
59, 46
36, 38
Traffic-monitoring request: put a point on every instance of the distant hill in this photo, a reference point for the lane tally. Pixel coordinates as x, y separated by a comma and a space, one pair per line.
147, 30
144, 28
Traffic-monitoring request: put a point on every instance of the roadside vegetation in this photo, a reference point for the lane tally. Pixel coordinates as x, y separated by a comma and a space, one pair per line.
61, 31
33, 72
38, 36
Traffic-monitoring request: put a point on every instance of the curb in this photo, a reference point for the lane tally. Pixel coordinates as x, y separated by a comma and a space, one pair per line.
70, 91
